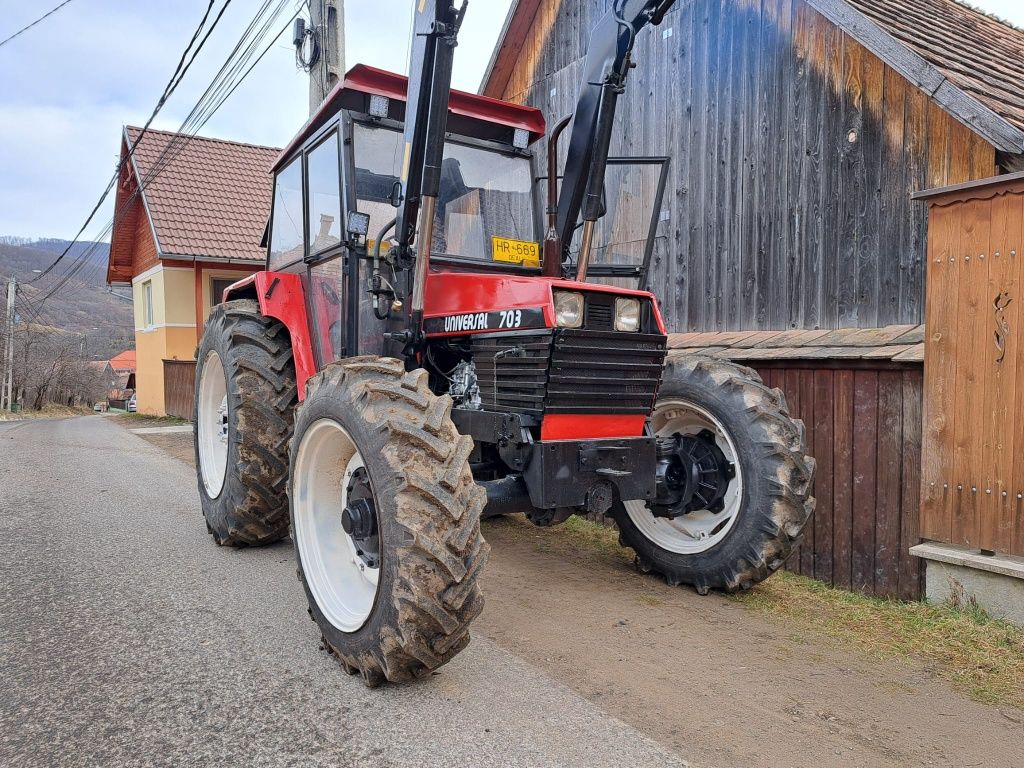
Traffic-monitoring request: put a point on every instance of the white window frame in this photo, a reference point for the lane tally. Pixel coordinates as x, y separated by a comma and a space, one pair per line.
148, 319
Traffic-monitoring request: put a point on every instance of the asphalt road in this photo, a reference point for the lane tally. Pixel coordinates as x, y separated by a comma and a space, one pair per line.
128, 638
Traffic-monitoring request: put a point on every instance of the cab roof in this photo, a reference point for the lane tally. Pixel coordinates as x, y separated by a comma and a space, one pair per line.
468, 113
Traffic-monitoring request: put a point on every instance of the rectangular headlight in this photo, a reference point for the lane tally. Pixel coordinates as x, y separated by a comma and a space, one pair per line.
627, 315
568, 309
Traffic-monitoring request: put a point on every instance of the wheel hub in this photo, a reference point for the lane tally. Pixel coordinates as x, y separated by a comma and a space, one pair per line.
692, 474
359, 518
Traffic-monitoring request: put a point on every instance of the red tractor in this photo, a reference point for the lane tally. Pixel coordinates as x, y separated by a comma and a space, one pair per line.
423, 350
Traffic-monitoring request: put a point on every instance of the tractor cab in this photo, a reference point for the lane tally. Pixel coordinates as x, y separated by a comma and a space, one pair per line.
337, 186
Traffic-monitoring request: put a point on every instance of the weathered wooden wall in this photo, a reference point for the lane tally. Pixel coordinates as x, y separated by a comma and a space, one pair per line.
864, 430
973, 484
794, 154
179, 388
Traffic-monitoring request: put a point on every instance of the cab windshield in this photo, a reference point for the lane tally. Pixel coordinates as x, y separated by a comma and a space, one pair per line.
485, 206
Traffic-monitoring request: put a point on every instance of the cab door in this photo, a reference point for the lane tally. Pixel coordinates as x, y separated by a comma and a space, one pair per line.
326, 250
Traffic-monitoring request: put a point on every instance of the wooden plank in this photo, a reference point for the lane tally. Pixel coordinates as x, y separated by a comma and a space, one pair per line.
831, 177
888, 483
823, 429
858, 70
865, 444
790, 385
895, 202
808, 555
938, 151
915, 238
973, 359
812, 191
999, 443
911, 568
843, 477
797, 119
1014, 516
942, 306
696, 158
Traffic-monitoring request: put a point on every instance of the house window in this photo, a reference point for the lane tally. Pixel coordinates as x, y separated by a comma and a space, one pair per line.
324, 200
147, 304
217, 287
286, 227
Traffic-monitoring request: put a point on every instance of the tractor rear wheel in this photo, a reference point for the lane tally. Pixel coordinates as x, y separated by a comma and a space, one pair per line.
751, 479
245, 398
385, 519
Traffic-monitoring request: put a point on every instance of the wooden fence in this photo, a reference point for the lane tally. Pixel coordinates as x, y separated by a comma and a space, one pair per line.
179, 387
864, 429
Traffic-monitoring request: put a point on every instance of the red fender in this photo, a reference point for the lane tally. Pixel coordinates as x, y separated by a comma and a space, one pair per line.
281, 296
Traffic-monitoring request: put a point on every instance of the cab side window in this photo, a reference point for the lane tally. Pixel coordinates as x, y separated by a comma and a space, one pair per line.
287, 244
324, 202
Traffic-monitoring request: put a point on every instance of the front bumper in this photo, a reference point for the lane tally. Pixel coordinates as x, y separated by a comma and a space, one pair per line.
562, 473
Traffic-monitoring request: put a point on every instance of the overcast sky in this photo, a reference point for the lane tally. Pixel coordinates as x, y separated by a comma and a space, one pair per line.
68, 85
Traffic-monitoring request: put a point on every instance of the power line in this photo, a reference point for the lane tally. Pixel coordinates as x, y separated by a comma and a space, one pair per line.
219, 90
27, 28
172, 84
198, 117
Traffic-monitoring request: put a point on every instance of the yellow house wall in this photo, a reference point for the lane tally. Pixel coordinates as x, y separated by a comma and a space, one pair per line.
171, 336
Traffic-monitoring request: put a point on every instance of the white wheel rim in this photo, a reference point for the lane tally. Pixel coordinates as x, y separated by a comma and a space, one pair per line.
702, 530
212, 426
342, 585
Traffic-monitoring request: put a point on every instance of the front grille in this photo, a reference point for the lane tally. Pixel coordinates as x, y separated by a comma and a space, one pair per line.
512, 371
604, 372
569, 371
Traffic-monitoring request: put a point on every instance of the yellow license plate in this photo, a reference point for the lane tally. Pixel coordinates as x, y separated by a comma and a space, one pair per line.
515, 251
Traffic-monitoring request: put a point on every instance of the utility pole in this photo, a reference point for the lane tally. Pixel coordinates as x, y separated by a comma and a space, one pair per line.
6, 403
326, 66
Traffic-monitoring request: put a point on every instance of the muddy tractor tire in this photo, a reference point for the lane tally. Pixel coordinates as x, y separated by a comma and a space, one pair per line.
385, 519
751, 466
243, 416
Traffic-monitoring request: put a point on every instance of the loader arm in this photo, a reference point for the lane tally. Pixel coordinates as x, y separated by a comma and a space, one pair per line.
435, 32
604, 75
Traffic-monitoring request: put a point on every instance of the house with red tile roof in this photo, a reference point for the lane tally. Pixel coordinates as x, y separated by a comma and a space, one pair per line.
123, 362
189, 218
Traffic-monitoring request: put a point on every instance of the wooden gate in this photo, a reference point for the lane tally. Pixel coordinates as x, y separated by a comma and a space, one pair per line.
973, 455
179, 387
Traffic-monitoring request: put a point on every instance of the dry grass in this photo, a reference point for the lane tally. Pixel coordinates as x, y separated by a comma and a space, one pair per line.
139, 420
48, 412
979, 655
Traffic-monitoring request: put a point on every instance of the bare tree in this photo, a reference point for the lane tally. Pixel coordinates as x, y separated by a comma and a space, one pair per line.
49, 369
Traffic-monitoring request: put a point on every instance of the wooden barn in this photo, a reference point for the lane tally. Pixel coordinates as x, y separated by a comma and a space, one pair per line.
787, 236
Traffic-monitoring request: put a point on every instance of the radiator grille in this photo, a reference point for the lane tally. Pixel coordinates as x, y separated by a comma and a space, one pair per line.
512, 371
604, 372
569, 371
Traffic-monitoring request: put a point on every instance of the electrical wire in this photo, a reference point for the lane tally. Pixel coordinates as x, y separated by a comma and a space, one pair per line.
215, 95
25, 29
172, 84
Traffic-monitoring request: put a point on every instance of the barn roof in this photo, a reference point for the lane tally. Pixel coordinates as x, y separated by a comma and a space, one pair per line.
982, 55
212, 197
970, 63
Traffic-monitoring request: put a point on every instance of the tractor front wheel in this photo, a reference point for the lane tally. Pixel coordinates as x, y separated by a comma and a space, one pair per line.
386, 520
245, 397
742, 492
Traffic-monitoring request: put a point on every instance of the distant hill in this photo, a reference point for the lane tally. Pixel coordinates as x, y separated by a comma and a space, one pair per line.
83, 304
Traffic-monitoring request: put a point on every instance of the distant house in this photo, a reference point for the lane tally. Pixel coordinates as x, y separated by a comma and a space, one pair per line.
189, 217
123, 362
